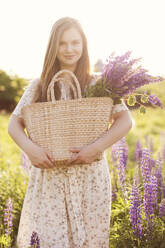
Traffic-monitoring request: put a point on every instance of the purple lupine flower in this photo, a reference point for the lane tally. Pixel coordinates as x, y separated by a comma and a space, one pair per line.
121, 171
123, 150
8, 217
120, 77
120, 150
155, 100
145, 165
163, 189
158, 174
149, 143
154, 191
138, 151
114, 195
149, 186
162, 208
151, 163
35, 242
148, 204
135, 210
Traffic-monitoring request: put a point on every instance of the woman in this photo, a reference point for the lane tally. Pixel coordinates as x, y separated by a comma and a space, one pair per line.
68, 208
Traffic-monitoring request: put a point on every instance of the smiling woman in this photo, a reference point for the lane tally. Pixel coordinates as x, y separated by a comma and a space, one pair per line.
70, 49
68, 207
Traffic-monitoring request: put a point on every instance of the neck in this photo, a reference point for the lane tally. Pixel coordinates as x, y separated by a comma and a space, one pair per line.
68, 67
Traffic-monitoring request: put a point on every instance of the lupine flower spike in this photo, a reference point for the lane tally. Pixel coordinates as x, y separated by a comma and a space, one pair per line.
135, 209
8, 218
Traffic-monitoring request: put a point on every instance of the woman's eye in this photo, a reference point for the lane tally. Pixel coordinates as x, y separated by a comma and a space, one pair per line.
76, 42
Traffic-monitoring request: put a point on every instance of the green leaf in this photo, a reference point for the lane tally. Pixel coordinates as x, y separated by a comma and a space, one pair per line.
142, 110
131, 100
144, 98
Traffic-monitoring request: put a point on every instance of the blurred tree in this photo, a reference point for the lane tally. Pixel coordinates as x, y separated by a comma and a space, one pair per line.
11, 89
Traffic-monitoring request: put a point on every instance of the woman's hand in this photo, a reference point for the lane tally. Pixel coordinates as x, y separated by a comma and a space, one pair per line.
40, 157
84, 155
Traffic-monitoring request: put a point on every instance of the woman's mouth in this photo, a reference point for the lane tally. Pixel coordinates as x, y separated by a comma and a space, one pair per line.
69, 56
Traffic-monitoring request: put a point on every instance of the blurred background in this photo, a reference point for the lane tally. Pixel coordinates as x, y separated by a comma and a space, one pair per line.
110, 26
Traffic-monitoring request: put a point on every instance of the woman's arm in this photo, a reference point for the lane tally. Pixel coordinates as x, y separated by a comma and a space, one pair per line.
40, 158
122, 123
16, 131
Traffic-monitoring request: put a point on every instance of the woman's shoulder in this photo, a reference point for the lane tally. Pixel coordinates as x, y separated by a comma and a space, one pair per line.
32, 83
35, 80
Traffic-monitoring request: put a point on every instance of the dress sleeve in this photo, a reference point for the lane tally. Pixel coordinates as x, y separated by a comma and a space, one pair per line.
27, 97
119, 107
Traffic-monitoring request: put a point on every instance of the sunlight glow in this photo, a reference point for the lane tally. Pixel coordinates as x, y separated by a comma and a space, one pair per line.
118, 26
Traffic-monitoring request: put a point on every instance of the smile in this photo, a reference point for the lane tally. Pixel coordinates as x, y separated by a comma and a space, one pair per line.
70, 57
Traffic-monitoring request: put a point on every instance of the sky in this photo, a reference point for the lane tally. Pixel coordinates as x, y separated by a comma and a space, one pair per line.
110, 26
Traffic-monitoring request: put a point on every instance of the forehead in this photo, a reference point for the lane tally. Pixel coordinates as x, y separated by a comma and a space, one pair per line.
70, 34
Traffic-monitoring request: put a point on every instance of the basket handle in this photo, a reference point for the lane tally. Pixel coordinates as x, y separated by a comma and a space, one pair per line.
76, 91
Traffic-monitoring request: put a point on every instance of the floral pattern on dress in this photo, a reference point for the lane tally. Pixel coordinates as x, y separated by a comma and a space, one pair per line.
67, 207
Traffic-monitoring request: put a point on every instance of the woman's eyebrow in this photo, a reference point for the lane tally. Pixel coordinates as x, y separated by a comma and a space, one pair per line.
71, 41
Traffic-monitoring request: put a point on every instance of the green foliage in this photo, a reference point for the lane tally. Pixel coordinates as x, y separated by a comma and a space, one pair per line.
13, 181
11, 89
131, 100
121, 234
100, 90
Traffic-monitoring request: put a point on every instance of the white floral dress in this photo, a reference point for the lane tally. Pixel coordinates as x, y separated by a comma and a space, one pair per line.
68, 208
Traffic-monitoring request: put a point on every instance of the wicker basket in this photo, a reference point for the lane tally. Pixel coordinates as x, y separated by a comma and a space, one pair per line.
61, 124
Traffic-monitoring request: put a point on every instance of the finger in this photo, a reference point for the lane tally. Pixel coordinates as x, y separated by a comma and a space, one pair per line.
51, 159
74, 149
73, 158
46, 162
49, 154
49, 163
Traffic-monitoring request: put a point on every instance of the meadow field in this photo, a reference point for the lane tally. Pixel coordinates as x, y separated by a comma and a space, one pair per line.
138, 198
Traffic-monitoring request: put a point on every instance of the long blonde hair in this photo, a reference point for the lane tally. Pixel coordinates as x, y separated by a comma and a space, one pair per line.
51, 64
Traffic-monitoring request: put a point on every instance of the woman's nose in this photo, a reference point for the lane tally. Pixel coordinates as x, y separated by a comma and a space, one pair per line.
69, 48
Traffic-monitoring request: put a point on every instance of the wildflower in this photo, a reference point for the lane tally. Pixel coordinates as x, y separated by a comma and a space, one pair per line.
158, 174
114, 195
145, 165
120, 78
162, 208
150, 188
155, 100
154, 191
138, 151
148, 204
8, 218
120, 150
135, 210
163, 189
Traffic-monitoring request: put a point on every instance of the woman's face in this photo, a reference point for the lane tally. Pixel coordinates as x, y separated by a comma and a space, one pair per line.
70, 49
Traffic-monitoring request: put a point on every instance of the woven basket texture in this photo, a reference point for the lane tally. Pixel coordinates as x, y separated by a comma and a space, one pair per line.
59, 125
